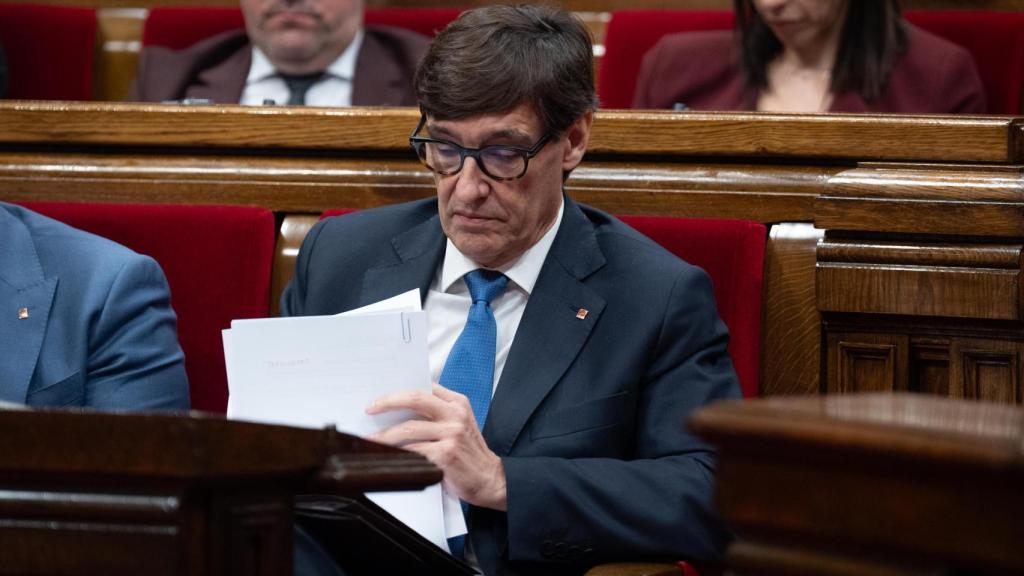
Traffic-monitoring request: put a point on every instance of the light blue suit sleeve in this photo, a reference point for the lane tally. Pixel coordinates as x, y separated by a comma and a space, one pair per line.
134, 359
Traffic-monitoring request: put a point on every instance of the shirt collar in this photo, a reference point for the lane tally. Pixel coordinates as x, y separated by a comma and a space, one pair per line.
523, 271
344, 66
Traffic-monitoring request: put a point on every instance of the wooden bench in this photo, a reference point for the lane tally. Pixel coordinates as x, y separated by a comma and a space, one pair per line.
894, 251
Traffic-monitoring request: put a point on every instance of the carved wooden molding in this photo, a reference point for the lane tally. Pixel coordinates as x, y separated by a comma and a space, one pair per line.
855, 137
973, 201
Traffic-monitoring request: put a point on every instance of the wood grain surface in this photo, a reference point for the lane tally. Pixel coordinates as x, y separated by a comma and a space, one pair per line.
837, 137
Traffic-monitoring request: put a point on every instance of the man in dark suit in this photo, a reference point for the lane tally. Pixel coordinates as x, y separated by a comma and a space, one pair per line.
83, 321
597, 342
313, 52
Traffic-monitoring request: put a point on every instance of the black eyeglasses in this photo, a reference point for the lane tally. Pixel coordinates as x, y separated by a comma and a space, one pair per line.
497, 162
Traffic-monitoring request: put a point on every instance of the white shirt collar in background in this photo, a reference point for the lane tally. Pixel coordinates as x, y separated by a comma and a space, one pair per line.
335, 89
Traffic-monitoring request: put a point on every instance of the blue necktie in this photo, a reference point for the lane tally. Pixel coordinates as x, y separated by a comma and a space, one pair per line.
469, 368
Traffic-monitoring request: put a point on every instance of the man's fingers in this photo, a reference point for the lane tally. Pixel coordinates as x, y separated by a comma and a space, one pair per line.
416, 400
409, 431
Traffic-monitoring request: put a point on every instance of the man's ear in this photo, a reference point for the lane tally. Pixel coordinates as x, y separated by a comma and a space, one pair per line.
577, 136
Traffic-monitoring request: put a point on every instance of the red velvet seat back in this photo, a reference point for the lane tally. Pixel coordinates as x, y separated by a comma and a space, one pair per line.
995, 39
49, 51
181, 27
631, 33
426, 21
217, 260
732, 253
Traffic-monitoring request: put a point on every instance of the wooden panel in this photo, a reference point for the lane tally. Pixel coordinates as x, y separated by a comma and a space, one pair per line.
909, 199
751, 558
791, 331
292, 232
929, 366
866, 363
890, 477
918, 291
118, 42
987, 370
937, 139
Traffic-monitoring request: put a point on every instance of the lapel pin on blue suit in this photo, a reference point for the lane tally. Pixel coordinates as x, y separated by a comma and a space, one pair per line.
581, 314
22, 313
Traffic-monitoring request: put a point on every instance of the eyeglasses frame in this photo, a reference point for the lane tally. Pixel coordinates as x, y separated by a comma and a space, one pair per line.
474, 153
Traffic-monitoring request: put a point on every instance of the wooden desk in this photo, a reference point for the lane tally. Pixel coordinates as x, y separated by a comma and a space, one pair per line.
916, 285
869, 484
86, 493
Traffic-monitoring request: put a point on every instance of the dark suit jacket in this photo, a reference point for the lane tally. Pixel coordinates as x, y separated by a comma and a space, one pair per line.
216, 69
100, 330
589, 414
699, 69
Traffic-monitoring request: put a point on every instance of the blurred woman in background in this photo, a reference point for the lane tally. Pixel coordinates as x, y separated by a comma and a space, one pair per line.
812, 56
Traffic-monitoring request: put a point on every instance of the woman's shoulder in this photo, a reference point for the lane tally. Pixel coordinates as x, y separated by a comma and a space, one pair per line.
937, 70
690, 68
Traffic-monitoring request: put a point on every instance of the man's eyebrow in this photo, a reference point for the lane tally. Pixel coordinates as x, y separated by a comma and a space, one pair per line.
441, 132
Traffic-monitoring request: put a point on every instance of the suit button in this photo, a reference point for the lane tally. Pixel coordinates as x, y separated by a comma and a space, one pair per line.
547, 548
588, 551
560, 550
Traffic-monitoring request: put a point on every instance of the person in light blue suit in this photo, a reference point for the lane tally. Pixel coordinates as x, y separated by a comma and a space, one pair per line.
83, 321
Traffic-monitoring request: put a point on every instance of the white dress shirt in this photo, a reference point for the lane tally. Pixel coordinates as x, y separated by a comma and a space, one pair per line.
448, 301
334, 89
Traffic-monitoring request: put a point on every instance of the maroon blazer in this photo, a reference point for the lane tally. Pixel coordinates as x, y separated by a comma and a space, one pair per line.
700, 70
216, 69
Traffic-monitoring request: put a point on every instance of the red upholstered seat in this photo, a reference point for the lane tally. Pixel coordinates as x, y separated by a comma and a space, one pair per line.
217, 260
49, 51
631, 33
732, 253
426, 21
995, 39
181, 27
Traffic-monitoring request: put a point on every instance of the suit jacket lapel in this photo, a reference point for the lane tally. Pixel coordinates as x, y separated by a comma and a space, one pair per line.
418, 251
223, 83
550, 334
22, 285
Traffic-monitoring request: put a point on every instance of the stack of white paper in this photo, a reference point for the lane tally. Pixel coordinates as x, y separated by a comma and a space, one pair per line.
319, 370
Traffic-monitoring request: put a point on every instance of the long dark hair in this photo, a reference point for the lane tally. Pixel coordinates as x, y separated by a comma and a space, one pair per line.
871, 41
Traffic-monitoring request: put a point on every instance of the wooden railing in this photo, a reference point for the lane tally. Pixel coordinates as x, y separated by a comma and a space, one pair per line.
894, 256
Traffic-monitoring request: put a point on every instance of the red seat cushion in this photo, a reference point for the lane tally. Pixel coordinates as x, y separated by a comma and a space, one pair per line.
995, 39
180, 27
217, 260
732, 253
49, 51
631, 33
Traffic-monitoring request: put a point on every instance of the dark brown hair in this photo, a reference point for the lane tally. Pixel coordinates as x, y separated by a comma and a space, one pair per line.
871, 41
494, 58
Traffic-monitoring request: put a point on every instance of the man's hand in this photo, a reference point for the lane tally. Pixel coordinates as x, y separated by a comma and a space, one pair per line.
450, 438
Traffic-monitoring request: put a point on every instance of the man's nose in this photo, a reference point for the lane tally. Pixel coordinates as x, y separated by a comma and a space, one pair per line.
472, 181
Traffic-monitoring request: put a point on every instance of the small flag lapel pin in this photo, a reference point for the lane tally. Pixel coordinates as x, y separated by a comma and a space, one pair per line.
22, 313
581, 313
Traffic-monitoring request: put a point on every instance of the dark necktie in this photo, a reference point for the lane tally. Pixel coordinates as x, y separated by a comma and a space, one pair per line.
299, 85
469, 368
